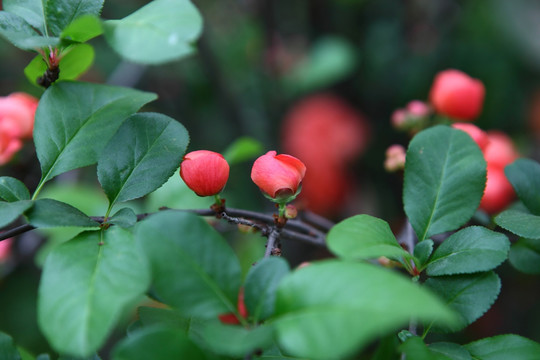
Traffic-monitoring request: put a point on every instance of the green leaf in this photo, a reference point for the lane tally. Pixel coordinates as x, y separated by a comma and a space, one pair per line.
75, 61
445, 175
12, 189
161, 31
157, 343
48, 213
470, 295
35, 69
237, 341
17, 31
10, 211
193, 268
86, 285
142, 155
25, 355
422, 252
75, 120
83, 29
415, 349
520, 223
450, 350
242, 149
60, 13
150, 316
332, 308
525, 256
504, 347
124, 217
8, 350
30, 10
261, 284
91, 357
524, 175
330, 60
364, 237
470, 250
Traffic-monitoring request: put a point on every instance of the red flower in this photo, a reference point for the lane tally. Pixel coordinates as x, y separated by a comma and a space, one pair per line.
18, 110
278, 176
499, 152
478, 135
457, 95
9, 144
328, 134
205, 172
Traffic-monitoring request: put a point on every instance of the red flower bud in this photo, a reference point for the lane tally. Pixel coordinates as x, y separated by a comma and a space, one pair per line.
278, 176
457, 95
501, 150
205, 172
478, 135
498, 193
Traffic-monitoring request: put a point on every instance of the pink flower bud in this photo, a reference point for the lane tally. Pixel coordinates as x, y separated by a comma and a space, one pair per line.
291, 212
205, 172
478, 135
278, 176
399, 118
418, 108
457, 95
395, 158
5, 249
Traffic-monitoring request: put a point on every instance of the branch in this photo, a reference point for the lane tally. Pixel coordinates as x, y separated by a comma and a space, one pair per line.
294, 229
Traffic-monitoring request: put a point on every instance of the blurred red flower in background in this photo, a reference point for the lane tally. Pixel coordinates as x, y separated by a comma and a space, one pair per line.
17, 112
457, 95
327, 134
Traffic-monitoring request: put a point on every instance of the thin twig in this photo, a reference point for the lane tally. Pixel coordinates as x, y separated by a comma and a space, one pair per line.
294, 229
272, 241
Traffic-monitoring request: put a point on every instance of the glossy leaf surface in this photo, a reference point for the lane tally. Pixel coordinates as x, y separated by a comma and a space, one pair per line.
86, 284
524, 175
10, 211
261, 284
525, 256
161, 31
193, 268
12, 189
520, 223
141, 156
470, 295
470, 250
314, 306
157, 343
504, 347
364, 237
445, 175
52, 213
75, 120
60, 13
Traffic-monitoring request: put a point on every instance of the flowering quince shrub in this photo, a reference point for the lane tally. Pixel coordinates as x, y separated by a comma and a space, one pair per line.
378, 293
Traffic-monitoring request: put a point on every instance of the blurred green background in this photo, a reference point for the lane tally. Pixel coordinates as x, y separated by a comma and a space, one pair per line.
257, 58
